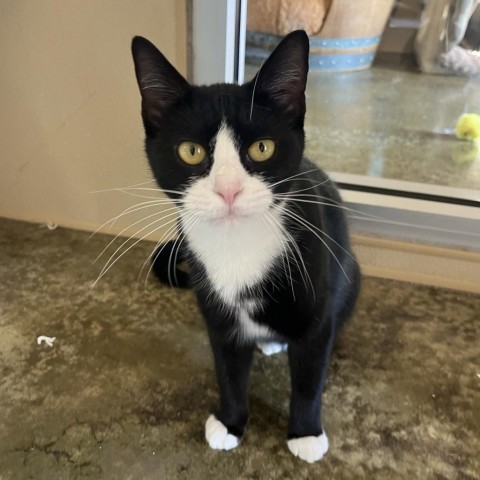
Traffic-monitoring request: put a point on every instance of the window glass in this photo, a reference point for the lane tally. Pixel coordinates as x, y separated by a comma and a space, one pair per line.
388, 84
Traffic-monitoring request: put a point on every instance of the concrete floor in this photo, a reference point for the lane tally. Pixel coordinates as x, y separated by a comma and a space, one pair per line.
128, 384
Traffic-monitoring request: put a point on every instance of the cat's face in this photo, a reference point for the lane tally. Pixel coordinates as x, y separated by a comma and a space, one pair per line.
225, 149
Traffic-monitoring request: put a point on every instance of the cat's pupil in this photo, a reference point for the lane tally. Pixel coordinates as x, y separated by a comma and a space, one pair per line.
262, 147
192, 150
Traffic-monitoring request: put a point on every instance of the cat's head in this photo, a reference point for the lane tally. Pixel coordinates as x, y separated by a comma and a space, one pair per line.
226, 149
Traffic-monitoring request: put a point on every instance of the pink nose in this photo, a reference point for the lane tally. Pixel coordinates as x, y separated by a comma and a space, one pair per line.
229, 194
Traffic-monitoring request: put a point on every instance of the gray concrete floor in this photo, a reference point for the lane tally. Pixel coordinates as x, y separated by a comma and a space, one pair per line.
126, 388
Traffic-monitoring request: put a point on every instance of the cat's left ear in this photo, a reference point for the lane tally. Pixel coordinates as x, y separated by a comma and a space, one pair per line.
160, 83
283, 76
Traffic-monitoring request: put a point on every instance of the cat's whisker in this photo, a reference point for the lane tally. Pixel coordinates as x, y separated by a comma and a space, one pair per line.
320, 231
302, 195
332, 203
131, 209
113, 219
424, 227
127, 186
254, 88
159, 190
306, 275
133, 194
155, 254
311, 180
295, 195
153, 204
303, 189
286, 256
309, 226
127, 240
317, 202
359, 215
168, 235
112, 260
182, 235
294, 176
152, 180
366, 216
138, 186
192, 225
363, 215
136, 223
128, 191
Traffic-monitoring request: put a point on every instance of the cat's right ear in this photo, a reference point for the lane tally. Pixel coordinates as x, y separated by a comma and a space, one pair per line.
160, 83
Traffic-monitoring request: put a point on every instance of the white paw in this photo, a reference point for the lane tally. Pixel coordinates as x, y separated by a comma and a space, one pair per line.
311, 449
217, 435
271, 348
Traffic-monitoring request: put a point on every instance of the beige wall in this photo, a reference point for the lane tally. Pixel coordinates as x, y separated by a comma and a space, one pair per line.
70, 109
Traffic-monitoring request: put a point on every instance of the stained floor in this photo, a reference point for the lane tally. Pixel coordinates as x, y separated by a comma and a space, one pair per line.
125, 389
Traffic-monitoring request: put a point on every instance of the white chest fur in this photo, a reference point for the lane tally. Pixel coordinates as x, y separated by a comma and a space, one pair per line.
236, 255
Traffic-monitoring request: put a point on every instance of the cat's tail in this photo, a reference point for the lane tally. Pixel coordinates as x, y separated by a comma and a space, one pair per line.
165, 260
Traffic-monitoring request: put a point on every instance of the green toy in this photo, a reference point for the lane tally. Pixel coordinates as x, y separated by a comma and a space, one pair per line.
468, 127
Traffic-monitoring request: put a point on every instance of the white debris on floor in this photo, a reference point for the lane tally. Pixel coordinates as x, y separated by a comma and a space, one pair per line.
44, 339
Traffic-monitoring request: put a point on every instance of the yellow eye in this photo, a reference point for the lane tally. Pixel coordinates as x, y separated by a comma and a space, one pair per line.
191, 153
261, 150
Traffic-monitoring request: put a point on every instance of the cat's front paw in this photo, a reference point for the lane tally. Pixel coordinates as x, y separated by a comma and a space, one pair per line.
217, 435
311, 449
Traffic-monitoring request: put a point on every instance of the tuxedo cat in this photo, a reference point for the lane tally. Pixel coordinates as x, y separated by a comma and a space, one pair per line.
261, 227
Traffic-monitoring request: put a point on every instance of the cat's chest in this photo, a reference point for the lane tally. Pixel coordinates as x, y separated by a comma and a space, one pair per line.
237, 255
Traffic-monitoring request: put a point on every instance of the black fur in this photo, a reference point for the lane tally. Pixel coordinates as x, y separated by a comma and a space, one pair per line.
308, 320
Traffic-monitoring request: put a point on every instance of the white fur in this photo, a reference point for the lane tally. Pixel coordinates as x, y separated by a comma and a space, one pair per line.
271, 348
217, 435
237, 244
250, 329
311, 449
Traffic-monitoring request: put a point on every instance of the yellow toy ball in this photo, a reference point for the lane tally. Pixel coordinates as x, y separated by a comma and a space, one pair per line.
468, 127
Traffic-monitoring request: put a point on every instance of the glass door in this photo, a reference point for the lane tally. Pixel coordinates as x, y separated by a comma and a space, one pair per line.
384, 99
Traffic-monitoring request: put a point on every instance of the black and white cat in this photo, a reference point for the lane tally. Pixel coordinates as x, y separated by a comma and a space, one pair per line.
263, 229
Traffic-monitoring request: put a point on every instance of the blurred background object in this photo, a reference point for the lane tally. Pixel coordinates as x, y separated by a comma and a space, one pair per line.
438, 43
344, 35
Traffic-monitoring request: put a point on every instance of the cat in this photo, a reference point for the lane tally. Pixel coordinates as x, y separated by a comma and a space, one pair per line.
261, 228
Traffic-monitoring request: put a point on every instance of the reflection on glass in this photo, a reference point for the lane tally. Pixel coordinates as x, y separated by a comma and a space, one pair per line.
396, 118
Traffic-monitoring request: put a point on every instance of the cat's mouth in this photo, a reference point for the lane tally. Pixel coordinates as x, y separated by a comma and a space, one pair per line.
236, 215
233, 215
